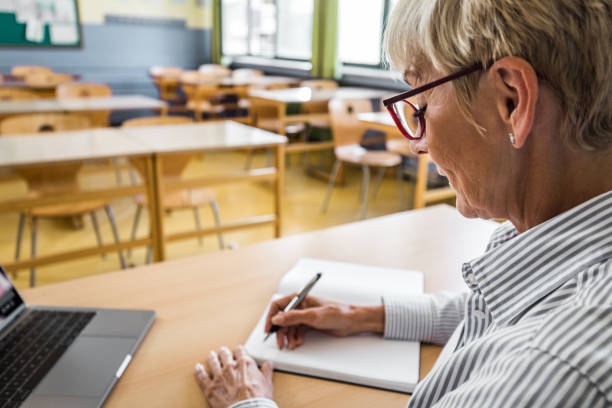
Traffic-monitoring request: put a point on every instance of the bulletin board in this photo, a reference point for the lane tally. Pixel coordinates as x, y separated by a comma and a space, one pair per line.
47, 23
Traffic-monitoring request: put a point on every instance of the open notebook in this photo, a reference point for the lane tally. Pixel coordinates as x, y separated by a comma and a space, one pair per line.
363, 359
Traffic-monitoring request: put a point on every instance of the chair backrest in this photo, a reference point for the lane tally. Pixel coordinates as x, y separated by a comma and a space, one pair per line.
47, 79
87, 90
43, 122
174, 165
242, 73
48, 179
320, 84
346, 127
15, 94
22, 71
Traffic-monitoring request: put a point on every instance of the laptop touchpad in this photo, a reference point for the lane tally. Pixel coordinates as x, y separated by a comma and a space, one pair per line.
88, 367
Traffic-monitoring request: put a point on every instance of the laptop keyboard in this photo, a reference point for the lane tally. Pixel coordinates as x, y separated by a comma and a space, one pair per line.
31, 349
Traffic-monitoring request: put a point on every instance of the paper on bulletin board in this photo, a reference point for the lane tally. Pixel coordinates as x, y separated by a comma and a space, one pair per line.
7, 6
35, 30
62, 34
65, 11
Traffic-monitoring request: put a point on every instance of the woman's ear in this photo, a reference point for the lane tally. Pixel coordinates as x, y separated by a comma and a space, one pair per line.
516, 85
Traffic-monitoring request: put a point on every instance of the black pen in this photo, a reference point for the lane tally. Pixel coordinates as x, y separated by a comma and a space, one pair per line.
295, 302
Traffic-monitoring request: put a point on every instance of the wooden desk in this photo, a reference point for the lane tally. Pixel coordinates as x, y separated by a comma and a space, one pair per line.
209, 137
146, 147
216, 299
118, 102
69, 147
382, 121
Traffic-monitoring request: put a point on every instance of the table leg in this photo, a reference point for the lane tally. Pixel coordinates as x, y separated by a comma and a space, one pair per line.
280, 183
154, 196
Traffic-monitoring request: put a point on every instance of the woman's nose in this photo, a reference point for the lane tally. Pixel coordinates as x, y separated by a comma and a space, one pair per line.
419, 146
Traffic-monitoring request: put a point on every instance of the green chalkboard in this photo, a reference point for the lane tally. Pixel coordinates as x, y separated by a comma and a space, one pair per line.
54, 23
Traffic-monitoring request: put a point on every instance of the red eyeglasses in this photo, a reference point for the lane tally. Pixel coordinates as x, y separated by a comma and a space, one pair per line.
408, 117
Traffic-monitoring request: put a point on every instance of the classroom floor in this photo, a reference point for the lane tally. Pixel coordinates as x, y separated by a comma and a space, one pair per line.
302, 202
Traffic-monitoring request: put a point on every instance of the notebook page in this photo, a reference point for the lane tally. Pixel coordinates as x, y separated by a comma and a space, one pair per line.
351, 283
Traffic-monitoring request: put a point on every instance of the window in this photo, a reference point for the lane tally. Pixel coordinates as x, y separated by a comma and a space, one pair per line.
360, 30
267, 28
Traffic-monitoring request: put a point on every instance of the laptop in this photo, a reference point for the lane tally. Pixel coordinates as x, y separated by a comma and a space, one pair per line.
60, 356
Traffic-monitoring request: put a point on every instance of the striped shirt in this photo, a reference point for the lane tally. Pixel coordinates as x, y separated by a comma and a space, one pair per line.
535, 329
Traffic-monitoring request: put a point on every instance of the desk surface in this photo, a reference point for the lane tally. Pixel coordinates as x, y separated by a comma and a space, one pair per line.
118, 102
202, 136
63, 147
215, 299
378, 118
70, 146
305, 94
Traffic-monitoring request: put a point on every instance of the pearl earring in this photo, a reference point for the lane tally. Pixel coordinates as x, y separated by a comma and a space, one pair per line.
512, 139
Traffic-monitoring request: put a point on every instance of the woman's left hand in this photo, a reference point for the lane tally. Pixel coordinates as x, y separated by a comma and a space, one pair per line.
233, 377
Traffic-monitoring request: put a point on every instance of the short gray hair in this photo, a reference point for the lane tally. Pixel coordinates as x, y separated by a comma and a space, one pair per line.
568, 43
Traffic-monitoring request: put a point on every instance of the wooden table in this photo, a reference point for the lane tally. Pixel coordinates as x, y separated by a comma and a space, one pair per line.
382, 121
43, 90
146, 147
210, 137
280, 98
117, 102
216, 299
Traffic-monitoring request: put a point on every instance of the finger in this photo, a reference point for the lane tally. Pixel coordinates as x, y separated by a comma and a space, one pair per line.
295, 317
214, 364
291, 337
267, 369
201, 376
241, 355
226, 357
275, 307
300, 333
281, 338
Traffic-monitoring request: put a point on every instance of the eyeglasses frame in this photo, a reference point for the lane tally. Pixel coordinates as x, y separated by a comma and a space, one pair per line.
419, 112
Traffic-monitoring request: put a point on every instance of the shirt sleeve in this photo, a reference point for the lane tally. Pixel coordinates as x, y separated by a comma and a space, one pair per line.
255, 403
428, 318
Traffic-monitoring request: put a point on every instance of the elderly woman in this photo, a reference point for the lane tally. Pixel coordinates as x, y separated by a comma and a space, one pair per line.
513, 101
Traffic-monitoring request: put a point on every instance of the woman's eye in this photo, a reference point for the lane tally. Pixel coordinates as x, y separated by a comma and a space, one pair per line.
420, 111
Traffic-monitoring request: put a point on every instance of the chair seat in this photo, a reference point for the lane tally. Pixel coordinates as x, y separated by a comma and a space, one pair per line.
320, 123
182, 199
356, 154
399, 146
203, 106
66, 210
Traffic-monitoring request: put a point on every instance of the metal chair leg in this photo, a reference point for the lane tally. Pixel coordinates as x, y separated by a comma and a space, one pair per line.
215, 210
33, 250
94, 222
20, 227
133, 177
269, 157
149, 255
379, 178
111, 219
400, 185
198, 223
330, 185
135, 226
365, 182
117, 171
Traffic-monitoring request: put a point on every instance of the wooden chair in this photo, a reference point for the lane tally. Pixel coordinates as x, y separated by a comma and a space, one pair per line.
172, 169
318, 107
347, 131
16, 94
199, 89
74, 90
53, 180
22, 71
167, 82
47, 79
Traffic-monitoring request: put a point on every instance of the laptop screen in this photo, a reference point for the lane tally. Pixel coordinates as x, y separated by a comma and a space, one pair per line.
9, 298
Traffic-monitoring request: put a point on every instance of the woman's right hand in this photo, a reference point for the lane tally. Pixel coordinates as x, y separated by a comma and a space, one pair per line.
331, 317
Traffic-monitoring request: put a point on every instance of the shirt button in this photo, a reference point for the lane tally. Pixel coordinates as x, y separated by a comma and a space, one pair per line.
472, 279
478, 314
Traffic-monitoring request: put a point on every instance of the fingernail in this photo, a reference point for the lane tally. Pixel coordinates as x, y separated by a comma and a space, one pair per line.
276, 319
199, 367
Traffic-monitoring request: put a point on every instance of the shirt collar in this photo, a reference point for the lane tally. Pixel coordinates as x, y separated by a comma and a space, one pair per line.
518, 270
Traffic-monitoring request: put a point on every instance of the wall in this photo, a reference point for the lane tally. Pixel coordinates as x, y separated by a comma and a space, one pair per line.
123, 38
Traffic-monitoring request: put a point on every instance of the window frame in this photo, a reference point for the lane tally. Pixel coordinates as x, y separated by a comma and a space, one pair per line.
381, 64
249, 54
